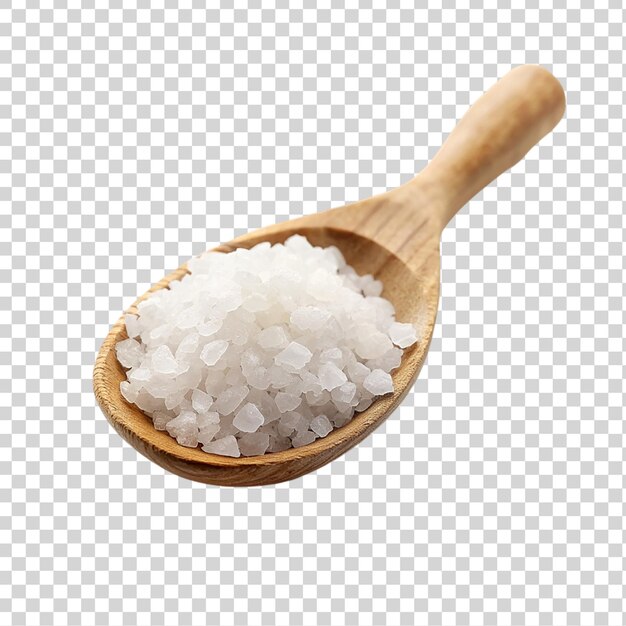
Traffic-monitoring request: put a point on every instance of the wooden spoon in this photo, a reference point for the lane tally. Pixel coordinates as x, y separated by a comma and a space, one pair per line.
394, 236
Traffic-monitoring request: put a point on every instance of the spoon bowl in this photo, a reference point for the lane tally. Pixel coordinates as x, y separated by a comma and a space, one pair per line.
408, 292
394, 236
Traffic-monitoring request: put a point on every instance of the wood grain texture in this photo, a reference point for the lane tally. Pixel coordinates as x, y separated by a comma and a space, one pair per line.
394, 236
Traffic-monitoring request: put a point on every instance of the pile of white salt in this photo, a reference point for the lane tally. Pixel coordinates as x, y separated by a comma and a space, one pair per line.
261, 350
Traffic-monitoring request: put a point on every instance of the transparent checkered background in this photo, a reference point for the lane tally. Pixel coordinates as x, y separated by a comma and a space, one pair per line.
132, 138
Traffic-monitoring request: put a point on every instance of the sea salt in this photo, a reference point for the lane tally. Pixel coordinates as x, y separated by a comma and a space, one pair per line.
321, 426
226, 446
184, 429
273, 337
403, 335
213, 351
344, 393
302, 439
205, 419
294, 356
129, 392
253, 444
330, 376
132, 327
248, 419
309, 318
207, 433
286, 401
378, 382
229, 399
260, 350
201, 401
130, 353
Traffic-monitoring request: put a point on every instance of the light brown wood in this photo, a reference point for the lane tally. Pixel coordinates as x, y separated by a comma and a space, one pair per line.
394, 236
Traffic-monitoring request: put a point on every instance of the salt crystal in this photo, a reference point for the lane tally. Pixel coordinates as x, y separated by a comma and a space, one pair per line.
129, 391
160, 333
298, 244
214, 382
378, 383
129, 352
161, 419
236, 331
132, 325
188, 344
210, 327
269, 429
278, 444
332, 355
207, 434
358, 372
230, 300
338, 258
227, 446
321, 426
344, 393
259, 378
189, 438
184, 404
388, 361
371, 287
371, 343
295, 388
201, 401
273, 337
302, 439
189, 318
287, 402
341, 420
317, 399
184, 429
247, 280
331, 376
248, 418
309, 318
337, 405
403, 335
163, 360
271, 412
253, 444
279, 378
191, 379
139, 374
256, 302
384, 309
310, 382
322, 285
226, 428
284, 430
213, 351
210, 417
227, 401
291, 419
174, 400
295, 356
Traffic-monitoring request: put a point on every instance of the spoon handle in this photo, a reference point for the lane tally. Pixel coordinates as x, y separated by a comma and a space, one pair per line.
496, 133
